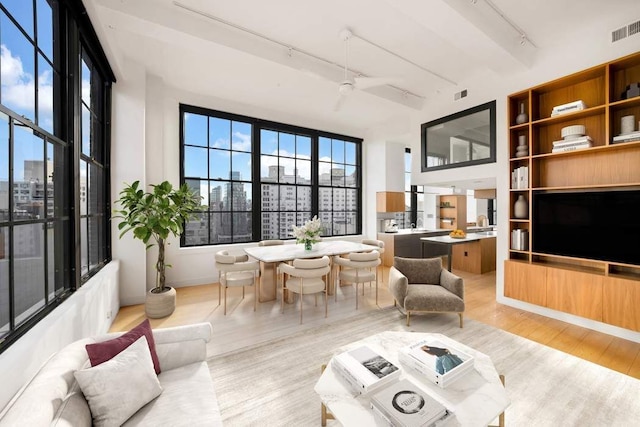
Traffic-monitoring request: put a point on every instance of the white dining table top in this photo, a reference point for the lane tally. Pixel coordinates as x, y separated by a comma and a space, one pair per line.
288, 252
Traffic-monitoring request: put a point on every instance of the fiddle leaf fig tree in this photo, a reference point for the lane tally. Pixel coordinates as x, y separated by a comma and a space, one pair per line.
154, 215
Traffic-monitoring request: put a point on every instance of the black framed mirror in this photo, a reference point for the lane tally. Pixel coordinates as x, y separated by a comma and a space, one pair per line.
462, 139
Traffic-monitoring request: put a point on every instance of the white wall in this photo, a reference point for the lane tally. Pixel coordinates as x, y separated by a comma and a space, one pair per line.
89, 311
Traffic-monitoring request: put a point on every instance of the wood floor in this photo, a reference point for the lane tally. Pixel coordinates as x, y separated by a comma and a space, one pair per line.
242, 327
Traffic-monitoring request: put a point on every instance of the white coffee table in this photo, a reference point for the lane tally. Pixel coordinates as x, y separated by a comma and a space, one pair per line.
475, 399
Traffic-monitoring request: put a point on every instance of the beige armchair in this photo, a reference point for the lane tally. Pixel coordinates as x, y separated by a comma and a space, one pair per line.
422, 285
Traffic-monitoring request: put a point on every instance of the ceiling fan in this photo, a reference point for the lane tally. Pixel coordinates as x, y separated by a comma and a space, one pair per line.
349, 84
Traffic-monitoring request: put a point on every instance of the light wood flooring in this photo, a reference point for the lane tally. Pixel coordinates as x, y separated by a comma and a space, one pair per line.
242, 327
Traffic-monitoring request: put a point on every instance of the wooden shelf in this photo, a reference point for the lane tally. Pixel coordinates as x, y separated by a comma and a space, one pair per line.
589, 288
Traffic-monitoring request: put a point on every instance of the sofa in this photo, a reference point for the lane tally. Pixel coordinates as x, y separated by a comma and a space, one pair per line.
53, 396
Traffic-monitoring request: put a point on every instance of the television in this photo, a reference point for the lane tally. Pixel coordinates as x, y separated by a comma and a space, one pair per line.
600, 225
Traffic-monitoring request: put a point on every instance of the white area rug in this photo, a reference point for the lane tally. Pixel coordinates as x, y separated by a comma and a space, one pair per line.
271, 384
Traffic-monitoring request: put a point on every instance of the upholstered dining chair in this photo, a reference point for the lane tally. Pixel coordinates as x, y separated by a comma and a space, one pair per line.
380, 245
357, 268
423, 285
235, 271
304, 277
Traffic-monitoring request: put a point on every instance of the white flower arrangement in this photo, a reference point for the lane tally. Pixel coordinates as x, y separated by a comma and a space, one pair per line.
309, 233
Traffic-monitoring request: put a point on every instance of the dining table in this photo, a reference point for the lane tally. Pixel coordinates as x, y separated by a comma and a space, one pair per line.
271, 256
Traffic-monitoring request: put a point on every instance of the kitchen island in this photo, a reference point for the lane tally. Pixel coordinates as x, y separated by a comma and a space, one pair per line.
475, 253
406, 243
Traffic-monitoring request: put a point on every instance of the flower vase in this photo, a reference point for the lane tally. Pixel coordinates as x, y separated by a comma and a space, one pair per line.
308, 245
522, 117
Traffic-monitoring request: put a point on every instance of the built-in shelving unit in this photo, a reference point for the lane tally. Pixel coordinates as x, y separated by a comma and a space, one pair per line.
604, 291
453, 212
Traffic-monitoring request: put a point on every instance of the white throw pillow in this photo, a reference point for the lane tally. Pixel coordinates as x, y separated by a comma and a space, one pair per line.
116, 389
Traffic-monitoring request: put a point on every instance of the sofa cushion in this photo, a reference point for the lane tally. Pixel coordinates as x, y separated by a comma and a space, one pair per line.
432, 298
118, 388
103, 351
74, 411
188, 399
419, 270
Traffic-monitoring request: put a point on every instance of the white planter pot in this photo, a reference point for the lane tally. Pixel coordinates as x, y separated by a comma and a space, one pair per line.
161, 304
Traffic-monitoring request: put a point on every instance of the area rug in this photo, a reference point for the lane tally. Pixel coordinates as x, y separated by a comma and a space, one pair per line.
271, 384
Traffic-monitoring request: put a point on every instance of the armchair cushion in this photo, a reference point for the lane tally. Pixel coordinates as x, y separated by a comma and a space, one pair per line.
452, 283
419, 270
432, 298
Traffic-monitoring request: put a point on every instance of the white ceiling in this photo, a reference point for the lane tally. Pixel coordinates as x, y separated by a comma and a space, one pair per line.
287, 56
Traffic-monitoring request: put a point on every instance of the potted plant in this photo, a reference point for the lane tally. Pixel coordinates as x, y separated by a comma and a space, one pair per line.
153, 216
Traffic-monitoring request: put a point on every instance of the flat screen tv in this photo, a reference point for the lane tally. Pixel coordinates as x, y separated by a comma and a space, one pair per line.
601, 225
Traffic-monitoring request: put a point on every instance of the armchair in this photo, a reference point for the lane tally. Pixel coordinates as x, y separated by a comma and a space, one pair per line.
422, 285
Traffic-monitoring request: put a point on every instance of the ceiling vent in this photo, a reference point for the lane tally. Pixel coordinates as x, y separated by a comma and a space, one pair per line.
459, 95
626, 31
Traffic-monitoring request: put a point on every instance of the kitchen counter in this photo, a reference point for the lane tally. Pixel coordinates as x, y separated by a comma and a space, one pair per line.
406, 243
475, 253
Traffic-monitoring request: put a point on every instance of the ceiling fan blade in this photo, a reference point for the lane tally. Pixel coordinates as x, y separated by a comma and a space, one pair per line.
367, 82
340, 101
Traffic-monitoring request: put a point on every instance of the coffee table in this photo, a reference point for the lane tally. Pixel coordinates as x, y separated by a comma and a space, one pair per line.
475, 399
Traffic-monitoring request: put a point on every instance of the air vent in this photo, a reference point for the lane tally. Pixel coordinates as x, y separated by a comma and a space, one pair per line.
626, 31
459, 95
619, 34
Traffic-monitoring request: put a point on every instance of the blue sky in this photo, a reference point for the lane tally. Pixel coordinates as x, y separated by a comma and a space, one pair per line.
19, 80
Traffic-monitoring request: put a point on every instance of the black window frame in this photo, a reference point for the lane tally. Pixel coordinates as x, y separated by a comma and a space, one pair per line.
72, 33
257, 126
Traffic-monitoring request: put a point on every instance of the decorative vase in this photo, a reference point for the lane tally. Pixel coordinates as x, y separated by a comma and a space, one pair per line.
308, 245
627, 123
522, 149
161, 304
521, 207
522, 117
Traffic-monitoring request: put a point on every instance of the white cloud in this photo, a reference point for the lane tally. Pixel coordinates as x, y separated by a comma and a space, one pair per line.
242, 141
18, 88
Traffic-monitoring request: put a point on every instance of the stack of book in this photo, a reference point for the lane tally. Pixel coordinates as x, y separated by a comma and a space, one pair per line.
405, 404
520, 178
627, 137
570, 144
519, 239
364, 370
568, 108
439, 363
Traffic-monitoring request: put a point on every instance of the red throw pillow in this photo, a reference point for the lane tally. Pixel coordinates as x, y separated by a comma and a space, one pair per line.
102, 351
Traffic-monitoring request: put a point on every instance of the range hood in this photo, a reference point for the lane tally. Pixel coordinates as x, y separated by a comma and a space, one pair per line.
390, 201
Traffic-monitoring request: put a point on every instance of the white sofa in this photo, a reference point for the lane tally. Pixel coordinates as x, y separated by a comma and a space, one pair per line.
53, 398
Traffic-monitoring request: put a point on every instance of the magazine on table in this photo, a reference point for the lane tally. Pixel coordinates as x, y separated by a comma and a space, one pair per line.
405, 404
442, 364
364, 369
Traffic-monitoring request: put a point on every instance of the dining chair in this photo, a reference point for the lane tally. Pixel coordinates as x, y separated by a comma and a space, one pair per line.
357, 268
380, 245
304, 277
235, 271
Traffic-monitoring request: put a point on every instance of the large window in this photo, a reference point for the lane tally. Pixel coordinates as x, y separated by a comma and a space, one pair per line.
53, 110
260, 178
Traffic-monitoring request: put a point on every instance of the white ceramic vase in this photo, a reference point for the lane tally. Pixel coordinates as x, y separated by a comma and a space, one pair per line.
521, 207
522, 117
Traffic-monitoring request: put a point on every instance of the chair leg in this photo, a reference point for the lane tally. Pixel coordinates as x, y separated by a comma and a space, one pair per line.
225, 300
377, 287
461, 319
408, 318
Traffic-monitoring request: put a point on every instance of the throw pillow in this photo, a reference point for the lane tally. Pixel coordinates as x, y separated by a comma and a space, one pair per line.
102, 351
118, 388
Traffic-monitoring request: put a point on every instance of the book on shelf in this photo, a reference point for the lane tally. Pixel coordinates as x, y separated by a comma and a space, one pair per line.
520, 178
519, 239
627, 137
405, 404
364, 370
571, 147
572, 141
440, 363
569, 107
